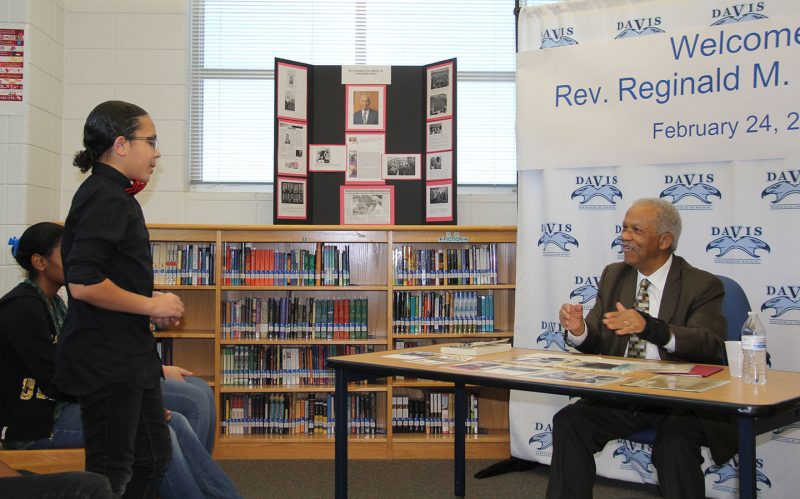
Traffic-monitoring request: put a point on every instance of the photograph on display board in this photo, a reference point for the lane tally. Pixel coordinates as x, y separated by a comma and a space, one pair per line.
291, 148
439, 201
366, 108
292, 198
327, 158
292, 98
402, 167
439, 91
439, 165
440, 135
366, 205
364, 153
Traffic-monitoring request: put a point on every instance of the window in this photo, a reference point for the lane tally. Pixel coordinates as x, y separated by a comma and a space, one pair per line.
234, 43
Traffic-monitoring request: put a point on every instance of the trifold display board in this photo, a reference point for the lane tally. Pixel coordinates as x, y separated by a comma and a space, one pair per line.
365, 145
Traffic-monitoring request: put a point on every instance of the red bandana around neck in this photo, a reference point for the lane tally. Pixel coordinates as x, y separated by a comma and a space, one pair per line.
136, 187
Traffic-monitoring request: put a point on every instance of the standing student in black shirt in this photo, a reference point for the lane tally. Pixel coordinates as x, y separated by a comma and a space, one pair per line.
106, 354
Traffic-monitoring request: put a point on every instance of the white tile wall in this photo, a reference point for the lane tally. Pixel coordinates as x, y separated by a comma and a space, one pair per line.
136, 31
151, 6
3, 204
17, 173
5, 9
18, 11
18, 129
136, 66
80, 99
3, 164
162, 207
40, 49
168, 175
88, 30
41, 89
45, 129
172, 137
42, 14
88, 66
93, 6
42, 204
161, 101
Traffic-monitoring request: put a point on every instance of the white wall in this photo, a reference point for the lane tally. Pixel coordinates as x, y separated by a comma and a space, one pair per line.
83, 52
30, 140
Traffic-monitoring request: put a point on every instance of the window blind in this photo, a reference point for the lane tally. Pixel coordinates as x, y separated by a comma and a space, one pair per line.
234, 43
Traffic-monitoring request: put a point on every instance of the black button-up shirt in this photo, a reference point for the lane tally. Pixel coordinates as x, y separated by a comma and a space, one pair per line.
105, 237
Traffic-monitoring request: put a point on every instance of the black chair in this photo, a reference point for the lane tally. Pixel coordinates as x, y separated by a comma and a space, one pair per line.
734, 307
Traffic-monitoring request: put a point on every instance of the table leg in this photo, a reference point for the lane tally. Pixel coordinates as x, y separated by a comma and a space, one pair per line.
747, 458
460, 445
340, 404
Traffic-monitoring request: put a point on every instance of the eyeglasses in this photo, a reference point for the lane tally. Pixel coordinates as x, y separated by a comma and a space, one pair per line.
153, 141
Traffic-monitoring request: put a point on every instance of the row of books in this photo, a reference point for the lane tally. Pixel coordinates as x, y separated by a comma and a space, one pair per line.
291, 317
296, 413
270, 365
442, 312
249, 265
437, 267
433, 414
183, 264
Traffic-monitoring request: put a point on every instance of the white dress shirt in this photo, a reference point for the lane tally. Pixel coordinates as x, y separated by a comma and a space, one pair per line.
655, 290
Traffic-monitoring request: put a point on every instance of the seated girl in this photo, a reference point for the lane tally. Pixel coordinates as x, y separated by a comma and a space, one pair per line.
33, 415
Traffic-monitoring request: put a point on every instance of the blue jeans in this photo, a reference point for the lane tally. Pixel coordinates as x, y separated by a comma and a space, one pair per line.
67, 430
195, 400
126, 438
192, 473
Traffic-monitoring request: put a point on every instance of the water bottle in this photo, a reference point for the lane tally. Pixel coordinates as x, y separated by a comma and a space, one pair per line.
754, 350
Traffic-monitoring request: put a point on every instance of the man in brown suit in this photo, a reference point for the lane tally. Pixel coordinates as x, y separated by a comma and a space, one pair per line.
657, 306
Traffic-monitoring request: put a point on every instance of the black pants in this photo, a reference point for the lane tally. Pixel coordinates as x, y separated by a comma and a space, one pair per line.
127, 438
583, 428
73, 485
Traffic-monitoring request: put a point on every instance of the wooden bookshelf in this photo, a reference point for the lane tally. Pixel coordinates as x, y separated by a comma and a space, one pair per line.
198, 342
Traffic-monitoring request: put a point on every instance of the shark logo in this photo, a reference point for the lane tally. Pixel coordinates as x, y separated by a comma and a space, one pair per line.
617, 242
586, 292
631, 32
557, 37
544, 439
549, 43
640, 457
781, 190
748, 244
560, 239
700, 191
551, 336
750, 16
781, 305
784, 429
607, 192
728, 471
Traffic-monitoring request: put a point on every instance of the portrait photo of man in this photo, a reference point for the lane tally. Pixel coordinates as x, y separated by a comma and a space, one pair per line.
366, 107
365, 115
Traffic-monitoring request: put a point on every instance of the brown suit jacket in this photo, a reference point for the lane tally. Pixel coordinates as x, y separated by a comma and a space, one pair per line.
691, 307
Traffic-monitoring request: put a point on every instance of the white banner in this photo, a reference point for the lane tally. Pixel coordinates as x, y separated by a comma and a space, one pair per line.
740, 217
712, 94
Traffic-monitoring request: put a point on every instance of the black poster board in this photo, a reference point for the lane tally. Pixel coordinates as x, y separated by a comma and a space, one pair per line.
406, 108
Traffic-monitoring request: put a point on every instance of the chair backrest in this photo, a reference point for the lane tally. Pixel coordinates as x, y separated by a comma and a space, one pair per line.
734, 307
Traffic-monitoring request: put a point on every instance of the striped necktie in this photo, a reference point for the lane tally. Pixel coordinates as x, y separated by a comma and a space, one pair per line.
636, 345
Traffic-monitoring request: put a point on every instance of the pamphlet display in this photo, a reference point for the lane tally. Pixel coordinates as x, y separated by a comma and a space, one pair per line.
365, 145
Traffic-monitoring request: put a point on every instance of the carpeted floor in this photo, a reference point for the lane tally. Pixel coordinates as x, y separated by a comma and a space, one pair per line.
401, 479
